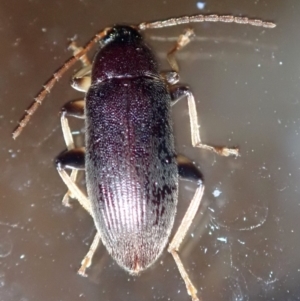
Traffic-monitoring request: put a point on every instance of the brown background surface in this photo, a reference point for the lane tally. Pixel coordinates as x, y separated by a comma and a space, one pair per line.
244, 244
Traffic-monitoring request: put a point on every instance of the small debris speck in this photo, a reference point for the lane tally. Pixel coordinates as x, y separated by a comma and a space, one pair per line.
216, 193
200, 5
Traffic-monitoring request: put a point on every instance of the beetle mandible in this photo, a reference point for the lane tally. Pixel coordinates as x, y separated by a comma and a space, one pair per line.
129, 158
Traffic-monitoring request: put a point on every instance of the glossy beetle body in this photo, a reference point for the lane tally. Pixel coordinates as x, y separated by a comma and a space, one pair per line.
131, 167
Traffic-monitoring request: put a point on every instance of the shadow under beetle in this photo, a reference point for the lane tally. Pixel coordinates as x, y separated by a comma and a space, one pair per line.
129, 158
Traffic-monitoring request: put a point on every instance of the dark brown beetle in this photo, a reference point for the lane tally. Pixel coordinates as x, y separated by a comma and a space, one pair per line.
129, 158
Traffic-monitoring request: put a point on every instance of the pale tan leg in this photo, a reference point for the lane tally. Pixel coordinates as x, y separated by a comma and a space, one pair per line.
182, 41
85, 203
177, 92
179, 236
81, 81
68, 194
68, 137
87, 260
75, 190
75, 49
195, 132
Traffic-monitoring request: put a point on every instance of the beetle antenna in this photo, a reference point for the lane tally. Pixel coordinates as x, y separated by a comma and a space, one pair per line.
52, 81
206, 18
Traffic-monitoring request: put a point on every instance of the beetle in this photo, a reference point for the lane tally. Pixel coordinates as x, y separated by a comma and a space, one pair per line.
131, 165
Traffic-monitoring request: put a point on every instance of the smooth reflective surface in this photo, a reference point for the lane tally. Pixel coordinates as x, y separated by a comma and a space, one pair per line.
244, 244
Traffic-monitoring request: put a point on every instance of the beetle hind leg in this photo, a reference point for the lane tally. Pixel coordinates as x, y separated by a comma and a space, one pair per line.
87, 260
75, 159
187, 170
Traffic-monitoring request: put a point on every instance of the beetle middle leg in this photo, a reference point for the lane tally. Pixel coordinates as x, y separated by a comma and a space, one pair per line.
187, 170
75, 109
177, 92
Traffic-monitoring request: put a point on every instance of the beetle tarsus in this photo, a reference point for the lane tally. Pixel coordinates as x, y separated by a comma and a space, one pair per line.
87, 260
220, 150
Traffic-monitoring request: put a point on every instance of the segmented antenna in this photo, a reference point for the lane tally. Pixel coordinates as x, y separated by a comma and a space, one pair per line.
55, 78
206, 18
143, 26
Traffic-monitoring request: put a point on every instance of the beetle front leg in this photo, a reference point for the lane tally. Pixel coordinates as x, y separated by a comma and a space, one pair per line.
76, 49
187, 170
177, 92
182, 41
81, 81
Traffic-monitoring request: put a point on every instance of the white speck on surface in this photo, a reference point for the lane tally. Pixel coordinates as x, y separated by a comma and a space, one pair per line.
216, 192
200, 5
222, 239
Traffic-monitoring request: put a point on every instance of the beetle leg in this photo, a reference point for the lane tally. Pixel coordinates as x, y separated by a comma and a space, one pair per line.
73, 108
71, 159
87, 260
182, 41
188, 171
179, 91
171, 77
74, 159
81, 81
84, 59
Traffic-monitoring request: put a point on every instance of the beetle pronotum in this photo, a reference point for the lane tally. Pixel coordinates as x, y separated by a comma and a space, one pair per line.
131, 165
